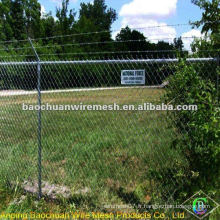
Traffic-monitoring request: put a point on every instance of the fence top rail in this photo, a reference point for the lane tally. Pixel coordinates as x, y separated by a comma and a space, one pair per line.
117, 61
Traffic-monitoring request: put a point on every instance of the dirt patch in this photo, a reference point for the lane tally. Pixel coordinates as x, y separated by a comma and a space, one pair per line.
53, 191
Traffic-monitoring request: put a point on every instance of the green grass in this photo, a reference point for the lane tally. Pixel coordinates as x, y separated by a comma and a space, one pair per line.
111, 153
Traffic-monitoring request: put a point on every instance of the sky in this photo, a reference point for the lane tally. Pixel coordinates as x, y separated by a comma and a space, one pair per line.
146, 14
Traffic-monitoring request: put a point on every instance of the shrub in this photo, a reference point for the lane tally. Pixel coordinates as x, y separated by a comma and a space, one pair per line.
199, 130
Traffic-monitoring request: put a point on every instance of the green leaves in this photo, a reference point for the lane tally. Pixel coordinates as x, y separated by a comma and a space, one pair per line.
201, 129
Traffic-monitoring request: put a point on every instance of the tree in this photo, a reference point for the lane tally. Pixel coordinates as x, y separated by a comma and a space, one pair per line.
95, 17
131, 40
32, 9
65, 21
178, 43
6, 31
18, 19
98, 12
210, 17
128, 34
48, 25
209, 22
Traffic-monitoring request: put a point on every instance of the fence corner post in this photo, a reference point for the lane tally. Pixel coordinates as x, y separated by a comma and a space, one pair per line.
39, 120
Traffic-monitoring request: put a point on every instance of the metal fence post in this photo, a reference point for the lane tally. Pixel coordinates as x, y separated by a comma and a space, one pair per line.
39, 119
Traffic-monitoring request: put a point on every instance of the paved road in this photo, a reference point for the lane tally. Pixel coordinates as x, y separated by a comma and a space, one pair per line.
22, 92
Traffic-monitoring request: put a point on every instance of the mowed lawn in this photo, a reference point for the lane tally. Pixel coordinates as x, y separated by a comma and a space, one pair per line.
108, 154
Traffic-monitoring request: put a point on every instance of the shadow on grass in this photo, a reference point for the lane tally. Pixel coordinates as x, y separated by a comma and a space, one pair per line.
131, 198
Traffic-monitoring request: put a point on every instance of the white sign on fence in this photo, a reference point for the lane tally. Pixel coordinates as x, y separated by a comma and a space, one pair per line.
133, 77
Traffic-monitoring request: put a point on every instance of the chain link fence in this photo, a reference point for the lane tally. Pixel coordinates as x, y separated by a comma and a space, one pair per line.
98, 158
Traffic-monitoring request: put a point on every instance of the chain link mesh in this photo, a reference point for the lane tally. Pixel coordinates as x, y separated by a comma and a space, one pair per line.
97, 158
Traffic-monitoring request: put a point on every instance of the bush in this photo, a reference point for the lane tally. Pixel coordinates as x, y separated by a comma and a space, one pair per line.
199, 130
